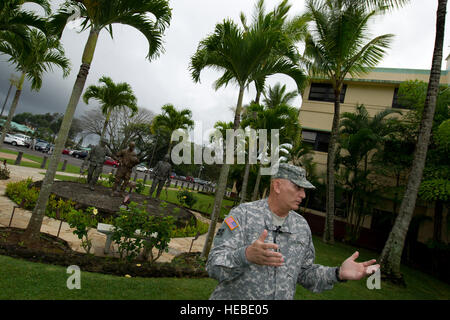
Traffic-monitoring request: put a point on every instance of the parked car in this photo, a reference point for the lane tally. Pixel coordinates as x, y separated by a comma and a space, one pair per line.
111, 162
189, 179
199, 181
66, 151
15, 140
141, 168
26, 138
41, 146
81, 154
182, 178
173, 175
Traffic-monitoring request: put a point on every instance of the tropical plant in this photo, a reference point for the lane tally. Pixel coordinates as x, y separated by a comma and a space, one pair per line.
96, 16
390, 258
170, 120
15, 21
339, 44
360, 136
111, 96
243, 56
46, 53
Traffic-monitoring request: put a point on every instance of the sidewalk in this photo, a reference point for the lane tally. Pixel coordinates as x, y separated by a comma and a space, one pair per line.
51, 226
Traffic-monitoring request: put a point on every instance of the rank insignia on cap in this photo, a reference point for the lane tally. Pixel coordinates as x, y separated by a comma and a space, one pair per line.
231, 223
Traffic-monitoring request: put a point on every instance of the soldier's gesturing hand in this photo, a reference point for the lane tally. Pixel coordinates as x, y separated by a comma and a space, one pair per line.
262, 253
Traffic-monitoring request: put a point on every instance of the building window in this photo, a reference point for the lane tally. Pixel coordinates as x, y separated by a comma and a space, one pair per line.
325, 92
318, 140
395, 103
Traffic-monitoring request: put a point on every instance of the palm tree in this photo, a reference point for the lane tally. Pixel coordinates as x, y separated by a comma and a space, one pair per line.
239, 55
273, 98
111, 96
361, 134
284, 58
16, 21
32, 63
96, 15
390, 258
338, 45
170, 120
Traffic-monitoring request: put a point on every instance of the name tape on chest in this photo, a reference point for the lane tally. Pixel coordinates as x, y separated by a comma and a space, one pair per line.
231, 223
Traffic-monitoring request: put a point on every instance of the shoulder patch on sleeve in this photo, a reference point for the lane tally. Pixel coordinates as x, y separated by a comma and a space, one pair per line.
231, 223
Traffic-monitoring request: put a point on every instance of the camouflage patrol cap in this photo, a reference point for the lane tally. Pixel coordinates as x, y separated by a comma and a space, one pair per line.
296, 175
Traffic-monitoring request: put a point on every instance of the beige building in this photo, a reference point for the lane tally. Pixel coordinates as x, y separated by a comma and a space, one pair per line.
377, 91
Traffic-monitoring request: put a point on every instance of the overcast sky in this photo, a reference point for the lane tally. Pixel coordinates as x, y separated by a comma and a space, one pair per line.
167, 79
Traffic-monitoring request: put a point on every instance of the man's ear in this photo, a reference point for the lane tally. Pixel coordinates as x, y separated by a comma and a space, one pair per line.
276, 185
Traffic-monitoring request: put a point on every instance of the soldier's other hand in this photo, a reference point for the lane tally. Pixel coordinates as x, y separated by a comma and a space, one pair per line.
352, 270
263, 253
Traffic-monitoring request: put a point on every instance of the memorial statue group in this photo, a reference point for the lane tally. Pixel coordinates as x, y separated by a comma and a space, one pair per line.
127, 159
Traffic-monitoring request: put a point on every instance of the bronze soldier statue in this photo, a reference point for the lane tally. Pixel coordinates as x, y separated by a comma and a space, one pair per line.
127, 160
161, 173
95, 160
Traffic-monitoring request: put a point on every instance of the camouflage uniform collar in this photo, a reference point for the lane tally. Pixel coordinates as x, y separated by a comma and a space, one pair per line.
268, 219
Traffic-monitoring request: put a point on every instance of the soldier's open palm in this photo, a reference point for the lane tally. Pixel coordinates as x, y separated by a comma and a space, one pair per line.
263, 253
352, 270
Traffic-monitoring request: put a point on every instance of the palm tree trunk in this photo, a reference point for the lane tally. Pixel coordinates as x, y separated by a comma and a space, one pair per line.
12, 110
247, 165
245, 183
256, 188
6, 99
32, 232
105, 125
390, 258
328, 234
222, 184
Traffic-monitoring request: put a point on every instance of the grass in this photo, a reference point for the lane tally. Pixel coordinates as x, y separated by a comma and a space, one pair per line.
28, 280
38, 159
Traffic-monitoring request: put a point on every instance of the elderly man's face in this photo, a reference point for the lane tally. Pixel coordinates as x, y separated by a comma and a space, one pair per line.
290, 194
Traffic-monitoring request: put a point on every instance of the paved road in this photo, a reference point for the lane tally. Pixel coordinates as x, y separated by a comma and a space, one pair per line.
70, 160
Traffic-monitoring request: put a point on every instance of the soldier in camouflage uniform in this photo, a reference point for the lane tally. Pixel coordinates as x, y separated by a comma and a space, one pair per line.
95, 159
161, 173
264, 248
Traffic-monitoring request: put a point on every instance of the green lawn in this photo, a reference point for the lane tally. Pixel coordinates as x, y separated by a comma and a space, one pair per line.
38, 159
27, 280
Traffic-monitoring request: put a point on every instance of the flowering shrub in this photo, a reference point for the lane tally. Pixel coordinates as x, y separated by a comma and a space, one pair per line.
83, 221
154, 232
186, 198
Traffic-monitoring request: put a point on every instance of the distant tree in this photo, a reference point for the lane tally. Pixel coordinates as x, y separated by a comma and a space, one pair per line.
111, 96
45, 54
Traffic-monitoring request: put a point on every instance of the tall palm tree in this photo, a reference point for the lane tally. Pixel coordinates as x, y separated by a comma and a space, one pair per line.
97, 15
284, 58
239, 55
390, 258
111, 96
339, 44
274, 97
170, 120
46, 53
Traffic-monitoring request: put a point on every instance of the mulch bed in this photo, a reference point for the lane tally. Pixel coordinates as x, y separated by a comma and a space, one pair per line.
55, 251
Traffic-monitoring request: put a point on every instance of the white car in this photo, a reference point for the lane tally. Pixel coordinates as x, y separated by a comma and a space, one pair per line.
141, 168
15, 140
